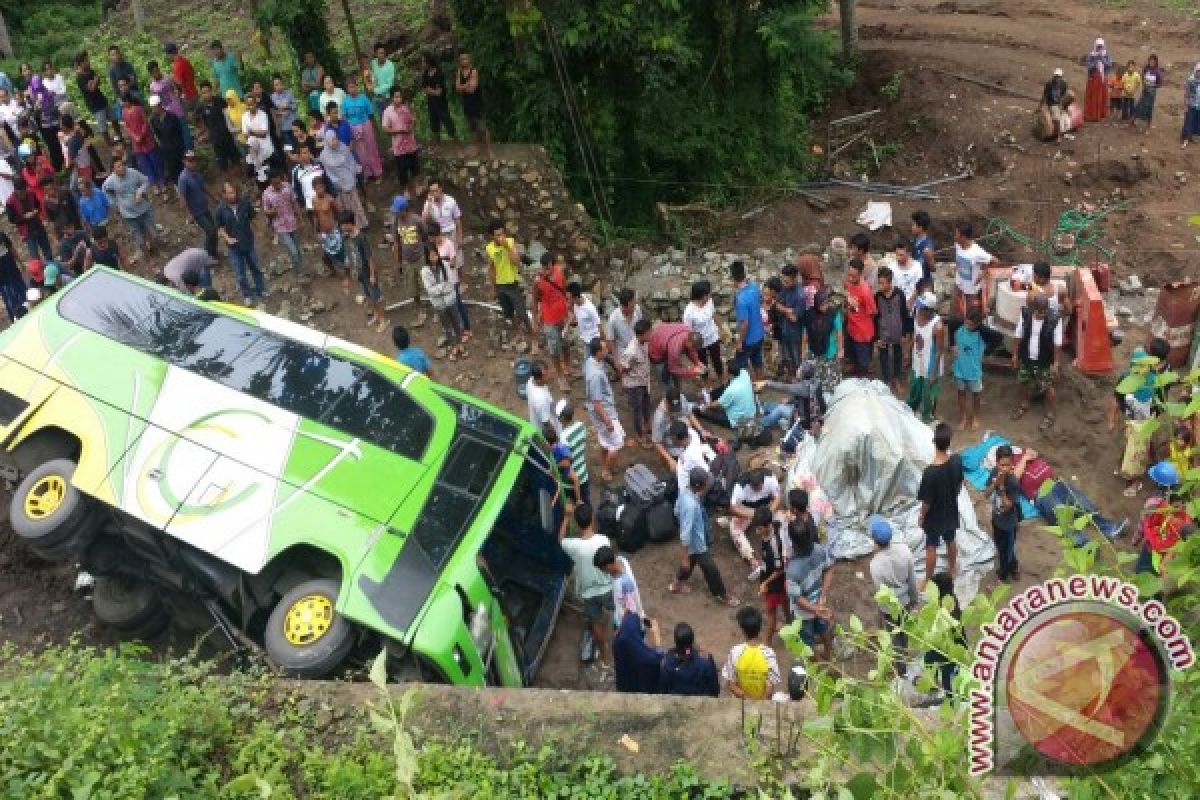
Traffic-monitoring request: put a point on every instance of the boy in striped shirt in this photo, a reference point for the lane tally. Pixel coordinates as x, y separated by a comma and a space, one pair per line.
574, 435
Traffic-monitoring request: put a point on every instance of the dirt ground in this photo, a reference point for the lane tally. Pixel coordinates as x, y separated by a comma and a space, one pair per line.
956, 123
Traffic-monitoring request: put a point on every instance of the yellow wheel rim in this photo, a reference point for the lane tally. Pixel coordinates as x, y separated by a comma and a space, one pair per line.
308, 619
45, 496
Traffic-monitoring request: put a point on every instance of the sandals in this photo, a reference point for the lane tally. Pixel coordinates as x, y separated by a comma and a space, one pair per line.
1047, 423
678, 588
1019, 412
732, 602
1133, 489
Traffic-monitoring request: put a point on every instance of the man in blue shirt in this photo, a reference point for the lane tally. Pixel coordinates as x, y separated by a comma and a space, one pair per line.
741, 406
194, 198
747, 308
408, 353
922, 248
93, 206
694, 538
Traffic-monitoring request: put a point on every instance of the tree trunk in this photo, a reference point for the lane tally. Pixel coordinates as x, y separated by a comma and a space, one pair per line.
846, 10
358, 53
6, 48
139, 16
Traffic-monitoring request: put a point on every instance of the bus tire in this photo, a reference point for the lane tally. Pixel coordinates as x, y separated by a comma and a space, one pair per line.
305, 636
127, 605
50, 514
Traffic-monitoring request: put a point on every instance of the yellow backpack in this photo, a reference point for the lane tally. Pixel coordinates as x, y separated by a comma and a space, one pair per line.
752, 669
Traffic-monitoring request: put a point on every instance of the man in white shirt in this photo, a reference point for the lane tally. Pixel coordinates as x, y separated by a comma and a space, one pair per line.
593, 585
541, 402
257, 129
304, 173
442, 212
693, 452
587, 318
758, 489
970, 261
673, 407
1036, 357
623, 318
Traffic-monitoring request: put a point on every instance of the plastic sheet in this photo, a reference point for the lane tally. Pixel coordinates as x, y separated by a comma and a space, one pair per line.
868, 460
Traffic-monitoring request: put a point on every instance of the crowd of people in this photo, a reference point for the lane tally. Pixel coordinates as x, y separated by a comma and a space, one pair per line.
68, 174
1114, 92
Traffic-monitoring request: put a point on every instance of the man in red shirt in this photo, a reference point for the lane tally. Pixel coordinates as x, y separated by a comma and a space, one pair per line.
860, 318
668, 343
550, 312
183, 75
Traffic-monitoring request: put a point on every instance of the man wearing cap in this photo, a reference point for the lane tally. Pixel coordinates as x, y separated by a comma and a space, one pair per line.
892, 566
193, 196
1036, 357
409, 251
694, 538
929, 346
1053, 96
54, 278
168, 130
189, 269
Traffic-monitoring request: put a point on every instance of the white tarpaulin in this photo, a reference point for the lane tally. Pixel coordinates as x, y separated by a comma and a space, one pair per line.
868, 460
876, 215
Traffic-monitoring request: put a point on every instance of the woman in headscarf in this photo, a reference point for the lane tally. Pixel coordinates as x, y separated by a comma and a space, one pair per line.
359, 111
234, 110
342, 170
1191, 107
636, 663
811, 276
1095, 97
45, 106
824, 328
686, 670
1152, 78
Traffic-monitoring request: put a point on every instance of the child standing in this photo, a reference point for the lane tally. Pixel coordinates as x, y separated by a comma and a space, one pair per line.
1005, 492
891, 311
751, 671
1116, 93
561, 453
574, 435
774, 560
1131, 87
968, 368
929, 343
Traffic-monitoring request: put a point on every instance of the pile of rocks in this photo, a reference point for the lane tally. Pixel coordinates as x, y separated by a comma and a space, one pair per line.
523, 189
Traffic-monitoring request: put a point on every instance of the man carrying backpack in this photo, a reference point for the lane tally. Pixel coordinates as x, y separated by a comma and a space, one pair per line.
751, 671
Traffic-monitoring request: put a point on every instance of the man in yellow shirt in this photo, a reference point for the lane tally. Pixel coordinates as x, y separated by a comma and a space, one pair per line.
505, 277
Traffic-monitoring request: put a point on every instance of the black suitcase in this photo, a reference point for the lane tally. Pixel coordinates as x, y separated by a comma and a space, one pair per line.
607, 521
631, 528
660, 523
643, 486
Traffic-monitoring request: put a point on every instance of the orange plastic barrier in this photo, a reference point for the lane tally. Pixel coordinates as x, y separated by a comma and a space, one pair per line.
1093, 348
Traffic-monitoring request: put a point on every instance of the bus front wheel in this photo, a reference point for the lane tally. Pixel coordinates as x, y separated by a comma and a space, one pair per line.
305, 636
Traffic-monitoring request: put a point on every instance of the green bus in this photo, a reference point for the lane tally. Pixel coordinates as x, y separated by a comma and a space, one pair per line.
309, 494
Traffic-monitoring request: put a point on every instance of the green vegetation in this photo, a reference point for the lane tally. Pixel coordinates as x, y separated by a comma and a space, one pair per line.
674, 97
83, 725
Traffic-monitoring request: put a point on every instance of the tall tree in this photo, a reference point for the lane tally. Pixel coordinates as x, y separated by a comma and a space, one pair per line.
6, 48
662, 97
848, 11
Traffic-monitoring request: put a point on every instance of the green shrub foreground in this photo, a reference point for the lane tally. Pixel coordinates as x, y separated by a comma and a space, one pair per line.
81, 724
